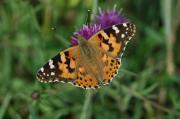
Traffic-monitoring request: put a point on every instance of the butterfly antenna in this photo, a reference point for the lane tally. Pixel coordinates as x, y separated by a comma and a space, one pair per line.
88, 17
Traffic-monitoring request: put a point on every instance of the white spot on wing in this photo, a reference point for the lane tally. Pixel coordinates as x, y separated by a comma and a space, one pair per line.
56, 80
124, 24
51, 64
42, 69
115, 29
52, 73
71, 83
122, 35
126, 42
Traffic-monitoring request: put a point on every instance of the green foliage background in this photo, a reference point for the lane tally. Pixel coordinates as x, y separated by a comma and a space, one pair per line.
148, 83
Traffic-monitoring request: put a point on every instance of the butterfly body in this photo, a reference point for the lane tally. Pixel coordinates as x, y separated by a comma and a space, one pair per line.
89, 56
92, 63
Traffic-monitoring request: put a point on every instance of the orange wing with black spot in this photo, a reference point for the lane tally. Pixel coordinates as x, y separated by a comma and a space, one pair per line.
114, 39
110, 70
62, 68
84, 80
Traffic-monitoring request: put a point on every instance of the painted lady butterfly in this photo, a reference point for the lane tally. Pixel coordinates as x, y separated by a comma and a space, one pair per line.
92, 63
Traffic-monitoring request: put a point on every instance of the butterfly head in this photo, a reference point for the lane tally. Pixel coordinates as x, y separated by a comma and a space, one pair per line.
81, 39
83, 43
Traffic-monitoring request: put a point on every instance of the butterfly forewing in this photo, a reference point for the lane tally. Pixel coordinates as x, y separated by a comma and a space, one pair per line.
63, 67
114, 39
59, 68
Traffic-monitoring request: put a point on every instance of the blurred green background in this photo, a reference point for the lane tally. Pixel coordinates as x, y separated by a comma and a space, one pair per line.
148, 83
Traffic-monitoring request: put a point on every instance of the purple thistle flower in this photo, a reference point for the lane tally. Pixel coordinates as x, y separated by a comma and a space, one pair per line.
86, 31
109, 17
103, 20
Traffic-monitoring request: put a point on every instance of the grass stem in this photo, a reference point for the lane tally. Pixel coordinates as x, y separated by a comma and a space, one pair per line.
84, 114
167, 17
4, 105
154, 104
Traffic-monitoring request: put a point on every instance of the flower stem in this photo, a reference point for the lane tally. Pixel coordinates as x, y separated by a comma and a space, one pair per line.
167, 14
87, 103
94, 8
47, 16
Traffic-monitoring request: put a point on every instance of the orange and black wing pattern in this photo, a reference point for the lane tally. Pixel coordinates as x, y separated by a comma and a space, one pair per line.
85, 80
62, 68
111, 67
114, 39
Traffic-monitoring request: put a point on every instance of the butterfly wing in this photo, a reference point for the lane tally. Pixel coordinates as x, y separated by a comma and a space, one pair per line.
85, 80
113, 40
62, 68
110, 70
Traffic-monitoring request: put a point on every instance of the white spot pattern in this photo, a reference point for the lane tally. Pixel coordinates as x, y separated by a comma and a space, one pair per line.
42, 69
52, 73
115, 29
122, 35
51, 64
124, 24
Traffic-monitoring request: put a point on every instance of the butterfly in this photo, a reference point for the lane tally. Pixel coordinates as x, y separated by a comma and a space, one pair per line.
92, 63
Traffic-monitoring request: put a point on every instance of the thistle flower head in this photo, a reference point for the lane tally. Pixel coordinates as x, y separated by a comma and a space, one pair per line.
103, 20
109, 17
85, 31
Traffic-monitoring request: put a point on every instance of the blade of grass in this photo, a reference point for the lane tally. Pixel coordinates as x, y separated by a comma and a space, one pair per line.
62, 40
154, 104
47, 16
87, 103
128, 72
94, 9
167, 18
4, 105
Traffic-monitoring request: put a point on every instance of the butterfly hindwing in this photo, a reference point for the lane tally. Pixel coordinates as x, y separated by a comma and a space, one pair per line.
59, 68
110, 70
114, 39
85, 80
